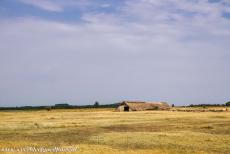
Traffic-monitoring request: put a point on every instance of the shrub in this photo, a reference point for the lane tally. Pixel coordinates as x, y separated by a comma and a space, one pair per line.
228, 103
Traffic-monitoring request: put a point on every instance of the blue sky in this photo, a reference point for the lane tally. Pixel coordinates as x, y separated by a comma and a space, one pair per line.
81, 51
69, 11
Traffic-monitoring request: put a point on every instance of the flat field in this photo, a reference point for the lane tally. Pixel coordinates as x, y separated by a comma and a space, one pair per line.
103, 131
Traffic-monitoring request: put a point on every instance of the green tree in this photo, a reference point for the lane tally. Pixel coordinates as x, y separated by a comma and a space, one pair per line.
228, 103
96, 104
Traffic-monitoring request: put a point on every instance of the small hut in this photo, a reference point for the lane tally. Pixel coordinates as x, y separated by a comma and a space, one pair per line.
142, 106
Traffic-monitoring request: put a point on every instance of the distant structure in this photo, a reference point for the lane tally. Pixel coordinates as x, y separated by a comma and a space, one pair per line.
142, 106
62, 105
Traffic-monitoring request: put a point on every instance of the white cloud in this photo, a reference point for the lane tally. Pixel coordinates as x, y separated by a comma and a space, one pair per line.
60, 5
44, 4
106, 5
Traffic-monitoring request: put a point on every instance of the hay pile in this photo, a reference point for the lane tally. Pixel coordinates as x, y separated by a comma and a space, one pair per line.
143, 106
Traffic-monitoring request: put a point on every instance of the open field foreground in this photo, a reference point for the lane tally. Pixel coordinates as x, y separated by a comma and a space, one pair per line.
109, 132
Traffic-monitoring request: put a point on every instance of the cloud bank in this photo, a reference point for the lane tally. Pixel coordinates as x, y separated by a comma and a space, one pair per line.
164, 50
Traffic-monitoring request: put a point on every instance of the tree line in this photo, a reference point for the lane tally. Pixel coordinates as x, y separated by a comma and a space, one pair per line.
61, 106
211, 105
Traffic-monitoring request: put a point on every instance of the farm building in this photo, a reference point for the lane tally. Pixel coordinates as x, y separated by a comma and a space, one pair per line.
142, 106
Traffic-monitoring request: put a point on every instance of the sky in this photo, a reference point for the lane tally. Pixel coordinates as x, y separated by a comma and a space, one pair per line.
82, 51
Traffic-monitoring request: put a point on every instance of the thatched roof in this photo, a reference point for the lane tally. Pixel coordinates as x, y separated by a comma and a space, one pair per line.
141, 106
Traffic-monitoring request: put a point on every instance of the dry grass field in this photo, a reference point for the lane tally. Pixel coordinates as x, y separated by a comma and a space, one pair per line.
103, 131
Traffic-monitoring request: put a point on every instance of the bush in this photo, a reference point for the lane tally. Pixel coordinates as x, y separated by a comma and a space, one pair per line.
228, 103
96, 104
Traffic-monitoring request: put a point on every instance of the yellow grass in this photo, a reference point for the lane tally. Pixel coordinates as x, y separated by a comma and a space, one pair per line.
103, 131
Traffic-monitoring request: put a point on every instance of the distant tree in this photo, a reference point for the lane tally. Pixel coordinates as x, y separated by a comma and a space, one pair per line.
227, 104
96, 104
172, 105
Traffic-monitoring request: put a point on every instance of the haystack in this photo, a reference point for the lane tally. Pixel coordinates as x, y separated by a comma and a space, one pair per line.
142, 106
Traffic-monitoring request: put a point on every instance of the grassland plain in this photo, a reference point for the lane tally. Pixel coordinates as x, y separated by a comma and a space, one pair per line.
103, 131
